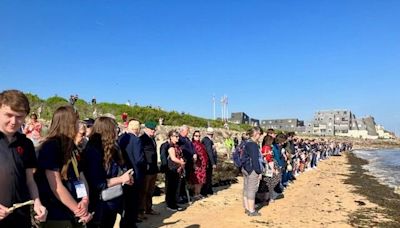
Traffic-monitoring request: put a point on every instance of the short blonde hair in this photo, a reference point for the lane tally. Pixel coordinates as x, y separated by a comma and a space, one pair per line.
134, 125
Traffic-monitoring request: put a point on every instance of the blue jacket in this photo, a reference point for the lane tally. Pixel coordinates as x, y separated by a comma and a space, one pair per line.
276, 150
251, 158
133, 154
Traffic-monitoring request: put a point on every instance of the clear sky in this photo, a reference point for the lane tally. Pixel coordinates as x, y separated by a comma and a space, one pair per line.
273, 59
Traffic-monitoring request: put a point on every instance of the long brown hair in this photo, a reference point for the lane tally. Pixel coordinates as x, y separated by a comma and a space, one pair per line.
104, 130
64, 128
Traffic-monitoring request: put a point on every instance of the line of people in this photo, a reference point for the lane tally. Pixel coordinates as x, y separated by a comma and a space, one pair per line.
187, 163
272, 164
84, 173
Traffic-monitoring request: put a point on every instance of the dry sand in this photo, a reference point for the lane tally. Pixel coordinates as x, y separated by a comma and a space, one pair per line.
318, 198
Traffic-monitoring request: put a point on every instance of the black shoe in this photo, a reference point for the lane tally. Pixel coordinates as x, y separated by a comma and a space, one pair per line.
182, 201
280, 196
254, 213
174, 209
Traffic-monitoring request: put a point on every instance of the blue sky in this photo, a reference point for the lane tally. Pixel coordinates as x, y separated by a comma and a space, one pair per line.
273, 59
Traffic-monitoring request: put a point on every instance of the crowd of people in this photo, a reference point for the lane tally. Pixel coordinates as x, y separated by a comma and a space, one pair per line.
85, 172
270, 162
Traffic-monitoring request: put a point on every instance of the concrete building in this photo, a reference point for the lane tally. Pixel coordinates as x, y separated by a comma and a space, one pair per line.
367, 128
345, 123
239, 118
332, 122
295, 125
384, 134
254, 122
340, 122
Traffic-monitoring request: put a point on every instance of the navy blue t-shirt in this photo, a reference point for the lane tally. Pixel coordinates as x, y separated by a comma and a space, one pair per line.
51, 158
16, 156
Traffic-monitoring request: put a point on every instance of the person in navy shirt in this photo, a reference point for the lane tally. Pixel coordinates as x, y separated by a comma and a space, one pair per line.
104, 167
251, 170
17, 163
132, 151
62, 185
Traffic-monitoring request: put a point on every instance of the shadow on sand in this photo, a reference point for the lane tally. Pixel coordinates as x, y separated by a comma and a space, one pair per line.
159, 220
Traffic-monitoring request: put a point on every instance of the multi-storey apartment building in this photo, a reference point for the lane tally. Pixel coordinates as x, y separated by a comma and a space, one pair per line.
295, 125
254, 122
239, 118
332, 122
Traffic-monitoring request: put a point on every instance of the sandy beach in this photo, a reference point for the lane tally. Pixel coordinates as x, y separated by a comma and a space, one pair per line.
319, 198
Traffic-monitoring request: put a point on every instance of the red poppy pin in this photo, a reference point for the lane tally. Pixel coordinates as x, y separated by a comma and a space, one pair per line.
78, 157
20, 150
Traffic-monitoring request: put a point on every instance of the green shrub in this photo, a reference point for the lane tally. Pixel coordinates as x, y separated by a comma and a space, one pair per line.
143, 114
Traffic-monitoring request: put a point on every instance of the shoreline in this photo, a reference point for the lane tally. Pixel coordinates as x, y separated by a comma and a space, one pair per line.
382, 195
396, 188
339, 193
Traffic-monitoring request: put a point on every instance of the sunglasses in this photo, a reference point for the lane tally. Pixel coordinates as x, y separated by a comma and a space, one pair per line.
196, 135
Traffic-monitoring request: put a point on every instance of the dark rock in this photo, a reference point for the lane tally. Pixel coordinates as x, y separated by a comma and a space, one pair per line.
360, 203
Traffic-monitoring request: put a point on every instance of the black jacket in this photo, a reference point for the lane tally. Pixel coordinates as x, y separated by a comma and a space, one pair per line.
150, 153
187, 148
212, 155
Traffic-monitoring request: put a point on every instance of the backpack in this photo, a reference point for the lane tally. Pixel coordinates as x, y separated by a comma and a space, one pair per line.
164, 156
238, 155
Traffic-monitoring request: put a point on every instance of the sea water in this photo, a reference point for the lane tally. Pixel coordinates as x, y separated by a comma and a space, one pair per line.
383, 164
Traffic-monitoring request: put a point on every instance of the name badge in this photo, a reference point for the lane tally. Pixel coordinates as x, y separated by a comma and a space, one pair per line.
80, 189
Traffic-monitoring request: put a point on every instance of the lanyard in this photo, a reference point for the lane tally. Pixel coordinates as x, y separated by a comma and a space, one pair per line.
75, 165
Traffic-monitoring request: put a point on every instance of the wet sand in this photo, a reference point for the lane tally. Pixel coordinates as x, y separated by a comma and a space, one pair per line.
382, 195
